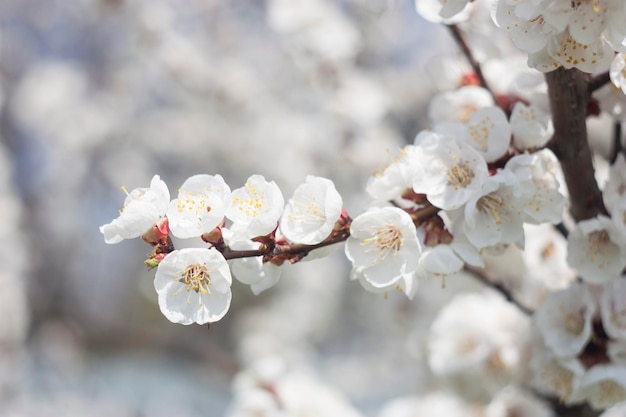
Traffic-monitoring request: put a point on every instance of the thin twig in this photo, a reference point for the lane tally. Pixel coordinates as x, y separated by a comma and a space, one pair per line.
480, 276
458, 38
598, 81
342, 235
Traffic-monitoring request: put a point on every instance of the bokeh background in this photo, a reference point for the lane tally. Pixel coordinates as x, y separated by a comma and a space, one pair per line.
96, 94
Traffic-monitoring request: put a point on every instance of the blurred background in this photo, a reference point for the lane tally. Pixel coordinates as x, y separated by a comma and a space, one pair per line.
96, 94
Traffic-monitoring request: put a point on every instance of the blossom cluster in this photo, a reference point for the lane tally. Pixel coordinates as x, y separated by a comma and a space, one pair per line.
194, 284
554, 33
583, 337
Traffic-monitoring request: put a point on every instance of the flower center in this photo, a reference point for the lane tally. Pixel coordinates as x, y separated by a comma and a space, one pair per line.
252, 205
491, 204
384, 240
573, 321
308, 211
460, 175
598, 241
196, 278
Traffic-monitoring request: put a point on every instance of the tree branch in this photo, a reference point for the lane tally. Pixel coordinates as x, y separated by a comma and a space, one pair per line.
458, 38
598, 81
568, 92
480, 276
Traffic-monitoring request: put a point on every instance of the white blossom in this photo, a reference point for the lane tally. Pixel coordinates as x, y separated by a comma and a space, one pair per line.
458, 105
312, 212
255, 208
565, 320
555, 376
193, 285
143, 207
393, 180
199, 207
540, 200
453, 172
493, 216
383, 242
613, 309
488, 131
603, 386
594, 249
478, 338
532, 127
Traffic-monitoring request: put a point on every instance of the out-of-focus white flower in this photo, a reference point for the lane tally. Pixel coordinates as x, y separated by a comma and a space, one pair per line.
546, 269
612, 101
295, 392
458, 105
452, 173
613, 309
531, 126
143, 207
603, 386
433, 11
614, 192
540, 198
193, 285
565, 320
529, 30
594, 249
555, 376
383, 242
479, 338
255, 208
616, 411
617, 72
512, 401
493, 216
317, 26
436, 404
251, 270
199, 207
312, 212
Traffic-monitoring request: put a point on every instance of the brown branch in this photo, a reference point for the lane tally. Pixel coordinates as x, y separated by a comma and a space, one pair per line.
337, 236
598, 81
568, 92
457, 35
480, 276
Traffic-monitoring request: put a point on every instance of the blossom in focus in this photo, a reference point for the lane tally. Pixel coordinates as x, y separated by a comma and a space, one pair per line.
383, 244
255, 208
143, 207
193, 286
494, 216
199, 207
453, 172
312, 212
